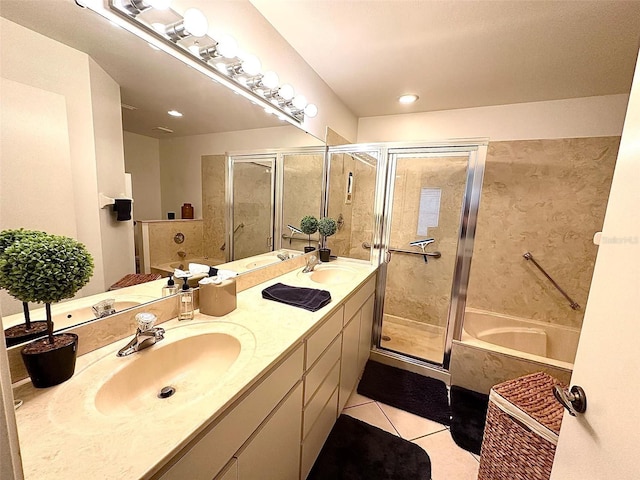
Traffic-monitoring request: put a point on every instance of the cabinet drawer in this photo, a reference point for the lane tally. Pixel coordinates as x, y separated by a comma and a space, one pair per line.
314, 377
319, 400
215, 447
322, 337
352, 305
319, 432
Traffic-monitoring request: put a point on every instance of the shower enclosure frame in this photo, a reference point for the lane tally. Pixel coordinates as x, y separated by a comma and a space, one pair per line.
388, 154
275, 155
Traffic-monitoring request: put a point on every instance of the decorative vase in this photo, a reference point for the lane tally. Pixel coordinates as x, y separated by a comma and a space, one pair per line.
51, 364
325, 254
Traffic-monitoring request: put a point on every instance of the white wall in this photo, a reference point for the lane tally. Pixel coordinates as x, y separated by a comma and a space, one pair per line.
256, 35
571, 118
116, 236
94, 134
180, 159
142, 161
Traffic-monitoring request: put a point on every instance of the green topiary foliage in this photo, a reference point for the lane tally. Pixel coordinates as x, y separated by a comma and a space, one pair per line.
309, 225
327, 226
43, 268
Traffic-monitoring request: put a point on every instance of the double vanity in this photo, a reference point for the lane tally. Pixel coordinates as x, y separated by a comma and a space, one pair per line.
250, 395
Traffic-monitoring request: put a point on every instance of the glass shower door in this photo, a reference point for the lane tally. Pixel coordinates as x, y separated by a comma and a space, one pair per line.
426, 209
253, 195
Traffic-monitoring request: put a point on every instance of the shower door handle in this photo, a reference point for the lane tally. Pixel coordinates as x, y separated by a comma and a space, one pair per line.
574, 400
387, 256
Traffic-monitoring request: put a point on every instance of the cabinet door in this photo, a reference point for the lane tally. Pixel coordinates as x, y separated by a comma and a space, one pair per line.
230, 472
274, 451
349, 369
366, 326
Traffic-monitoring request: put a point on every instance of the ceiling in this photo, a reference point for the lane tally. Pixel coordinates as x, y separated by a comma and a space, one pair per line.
452, 53
460, 54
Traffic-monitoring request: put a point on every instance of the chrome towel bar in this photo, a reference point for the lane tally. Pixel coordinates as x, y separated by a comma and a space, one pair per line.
425, 255
572, 303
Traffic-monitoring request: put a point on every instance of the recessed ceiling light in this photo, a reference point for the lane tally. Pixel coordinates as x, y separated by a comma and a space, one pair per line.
174, 113
408, 98
163, 129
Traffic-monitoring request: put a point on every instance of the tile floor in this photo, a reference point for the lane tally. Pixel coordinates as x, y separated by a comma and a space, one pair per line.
448, 461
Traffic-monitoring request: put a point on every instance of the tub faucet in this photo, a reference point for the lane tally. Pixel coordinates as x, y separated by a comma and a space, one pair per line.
146, 335
284, 256
312, 261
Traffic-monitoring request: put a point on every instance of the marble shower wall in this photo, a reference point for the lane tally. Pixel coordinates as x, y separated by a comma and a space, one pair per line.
162, 248
357, 215
547, 197
302, 195
213, 206
417, 290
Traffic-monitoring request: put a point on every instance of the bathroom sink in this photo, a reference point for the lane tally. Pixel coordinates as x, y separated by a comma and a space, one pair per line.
190, 366
329, 274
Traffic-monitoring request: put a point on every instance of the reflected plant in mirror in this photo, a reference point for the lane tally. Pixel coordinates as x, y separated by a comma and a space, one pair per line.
309, 226
327, 226
43, 268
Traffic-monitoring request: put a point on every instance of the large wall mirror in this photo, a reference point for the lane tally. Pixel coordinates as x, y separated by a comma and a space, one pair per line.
85, 113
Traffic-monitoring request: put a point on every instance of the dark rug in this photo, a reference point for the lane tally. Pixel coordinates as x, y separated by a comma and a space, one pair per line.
358, 451
469, 412
408, 391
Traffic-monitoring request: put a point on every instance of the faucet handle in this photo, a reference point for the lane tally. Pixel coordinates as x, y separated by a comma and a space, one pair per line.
146, 321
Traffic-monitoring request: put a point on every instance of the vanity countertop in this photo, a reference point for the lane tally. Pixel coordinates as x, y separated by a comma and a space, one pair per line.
57, 442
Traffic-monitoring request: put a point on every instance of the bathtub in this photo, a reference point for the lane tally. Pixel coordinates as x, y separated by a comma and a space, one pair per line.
535, 341
166, 268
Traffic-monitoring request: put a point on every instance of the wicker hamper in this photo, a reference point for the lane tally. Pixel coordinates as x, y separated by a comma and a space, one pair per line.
521, 433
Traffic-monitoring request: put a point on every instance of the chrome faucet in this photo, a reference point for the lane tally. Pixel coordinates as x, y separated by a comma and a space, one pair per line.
312, 261
146, 335
283, 256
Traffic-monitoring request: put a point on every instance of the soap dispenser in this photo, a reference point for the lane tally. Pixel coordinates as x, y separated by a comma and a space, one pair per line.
185, 298
170, 288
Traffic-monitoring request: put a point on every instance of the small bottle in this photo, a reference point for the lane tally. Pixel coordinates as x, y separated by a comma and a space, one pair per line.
185, 298
170, 288
187, 211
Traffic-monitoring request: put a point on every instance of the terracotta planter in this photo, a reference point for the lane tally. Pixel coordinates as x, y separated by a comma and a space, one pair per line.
48, 364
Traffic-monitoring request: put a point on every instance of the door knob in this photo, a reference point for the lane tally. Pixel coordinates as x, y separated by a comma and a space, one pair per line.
574, 400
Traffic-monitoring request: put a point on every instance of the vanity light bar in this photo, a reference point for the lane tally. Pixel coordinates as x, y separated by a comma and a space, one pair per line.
123, 17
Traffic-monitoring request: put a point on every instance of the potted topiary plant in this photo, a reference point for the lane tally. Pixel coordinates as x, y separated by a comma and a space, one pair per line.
30, 329
327, 227
43, 268
309, 226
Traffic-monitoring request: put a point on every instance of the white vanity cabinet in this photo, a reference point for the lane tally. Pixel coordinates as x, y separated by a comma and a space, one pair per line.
277, 430
356, 339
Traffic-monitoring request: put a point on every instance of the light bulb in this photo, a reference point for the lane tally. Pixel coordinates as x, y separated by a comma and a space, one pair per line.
159, 27
227, 47
222, 68
195, 49
311, 110
159, 4
286, 92
251, 65
409, 98
195, 22
270, 79
299, 101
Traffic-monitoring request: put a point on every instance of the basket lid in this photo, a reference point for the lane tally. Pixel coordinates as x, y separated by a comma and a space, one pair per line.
533, 394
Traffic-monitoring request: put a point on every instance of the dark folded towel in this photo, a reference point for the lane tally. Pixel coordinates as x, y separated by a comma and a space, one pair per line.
308, 298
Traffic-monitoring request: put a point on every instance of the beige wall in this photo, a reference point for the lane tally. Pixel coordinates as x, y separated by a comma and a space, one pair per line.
547, 197
142, 161
181, 165
93, 130
570, 118
116, 236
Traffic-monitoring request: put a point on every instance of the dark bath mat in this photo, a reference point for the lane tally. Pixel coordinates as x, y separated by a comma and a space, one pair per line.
469, 412
408, 391
358, 451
